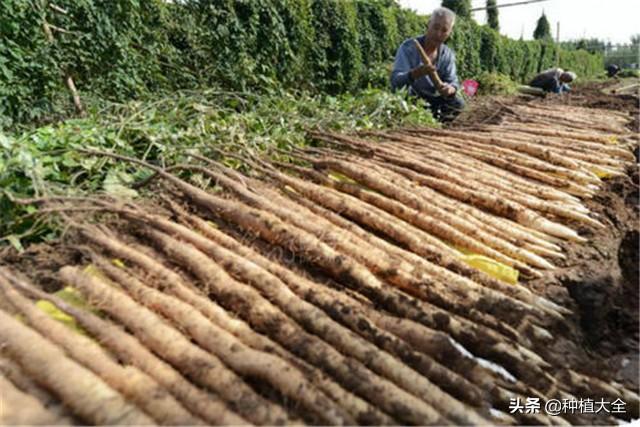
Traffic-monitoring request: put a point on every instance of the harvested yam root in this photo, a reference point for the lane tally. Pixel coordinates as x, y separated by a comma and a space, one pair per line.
372, 279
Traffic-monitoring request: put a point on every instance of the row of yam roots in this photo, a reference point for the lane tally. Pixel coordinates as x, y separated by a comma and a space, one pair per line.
330, 286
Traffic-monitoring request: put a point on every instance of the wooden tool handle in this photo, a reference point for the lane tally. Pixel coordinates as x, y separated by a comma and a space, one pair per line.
433, 73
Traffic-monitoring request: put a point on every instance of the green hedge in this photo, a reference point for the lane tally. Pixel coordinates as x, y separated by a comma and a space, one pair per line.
478, 48
124, 49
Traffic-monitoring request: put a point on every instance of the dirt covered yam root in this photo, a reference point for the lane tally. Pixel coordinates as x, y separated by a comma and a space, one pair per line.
407, 276
89, 397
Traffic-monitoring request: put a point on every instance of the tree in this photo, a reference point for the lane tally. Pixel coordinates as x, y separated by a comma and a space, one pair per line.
624, 55
462, 8
592, 45
543, 29
492, 15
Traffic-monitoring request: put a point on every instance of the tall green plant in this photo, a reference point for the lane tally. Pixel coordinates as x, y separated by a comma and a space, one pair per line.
543, 29
462, 8
492, 15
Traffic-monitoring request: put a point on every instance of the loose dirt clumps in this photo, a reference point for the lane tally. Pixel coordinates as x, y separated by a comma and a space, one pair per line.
42, 261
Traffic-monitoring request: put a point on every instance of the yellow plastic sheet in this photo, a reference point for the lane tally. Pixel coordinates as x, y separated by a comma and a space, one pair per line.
73, 297
337, 176
69, 295
118, 263
493, 268
600, 173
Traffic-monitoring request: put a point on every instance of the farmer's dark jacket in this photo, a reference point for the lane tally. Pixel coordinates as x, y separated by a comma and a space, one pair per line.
408, 58
548, 80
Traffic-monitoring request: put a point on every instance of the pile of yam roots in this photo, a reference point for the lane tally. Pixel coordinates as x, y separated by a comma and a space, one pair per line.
327, 286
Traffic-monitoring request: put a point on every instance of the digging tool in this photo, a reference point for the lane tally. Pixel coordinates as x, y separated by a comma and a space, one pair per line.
431, 70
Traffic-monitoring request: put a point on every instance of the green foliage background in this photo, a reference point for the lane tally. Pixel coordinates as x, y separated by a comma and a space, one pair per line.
478, 48
124, 49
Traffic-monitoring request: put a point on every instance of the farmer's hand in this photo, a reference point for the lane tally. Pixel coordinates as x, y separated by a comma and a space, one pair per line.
420, 71
447, 90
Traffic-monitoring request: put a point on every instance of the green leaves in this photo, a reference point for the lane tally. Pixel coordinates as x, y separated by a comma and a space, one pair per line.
462, 8
496, 84
116, 184
125, 49
5, 142
166, 131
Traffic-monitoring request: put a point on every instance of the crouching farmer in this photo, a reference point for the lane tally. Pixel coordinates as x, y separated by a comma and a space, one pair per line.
554, 80
409, 70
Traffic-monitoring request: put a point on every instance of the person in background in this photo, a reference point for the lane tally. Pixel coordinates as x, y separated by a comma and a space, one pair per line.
554, 80
409, 70
612, 70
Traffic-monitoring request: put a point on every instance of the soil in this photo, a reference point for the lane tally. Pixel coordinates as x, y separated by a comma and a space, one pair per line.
41, 262
599, 282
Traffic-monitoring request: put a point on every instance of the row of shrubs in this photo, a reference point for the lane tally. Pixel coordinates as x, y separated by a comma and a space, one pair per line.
123, 49
481, 49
